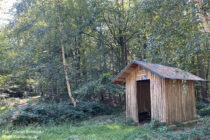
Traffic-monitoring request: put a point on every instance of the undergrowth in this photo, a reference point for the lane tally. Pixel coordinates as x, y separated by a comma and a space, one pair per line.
203, 109
89, 121
56, 113
111, 127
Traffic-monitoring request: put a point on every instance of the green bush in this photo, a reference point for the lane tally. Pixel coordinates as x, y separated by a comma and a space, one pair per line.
97, 88
45, 113
131, 122
154, 124
203, 109
5, 118
200, 105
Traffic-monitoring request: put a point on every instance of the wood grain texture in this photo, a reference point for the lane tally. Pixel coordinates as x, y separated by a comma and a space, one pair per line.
171, 100
131, 97
180, 101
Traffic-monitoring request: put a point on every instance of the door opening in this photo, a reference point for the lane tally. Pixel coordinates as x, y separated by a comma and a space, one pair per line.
143, 99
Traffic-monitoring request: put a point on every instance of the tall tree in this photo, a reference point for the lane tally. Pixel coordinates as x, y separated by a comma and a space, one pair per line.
95, 39
63, 52
204, 14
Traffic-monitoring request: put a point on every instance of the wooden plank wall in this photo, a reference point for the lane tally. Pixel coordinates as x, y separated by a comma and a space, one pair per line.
180, 102
169, 102
131, 96
157, 94
158, 100
157, 90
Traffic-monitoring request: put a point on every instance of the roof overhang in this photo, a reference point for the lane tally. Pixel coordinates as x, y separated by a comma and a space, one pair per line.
121, 77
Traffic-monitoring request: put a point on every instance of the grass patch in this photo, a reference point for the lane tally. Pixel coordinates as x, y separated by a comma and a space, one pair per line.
5, 108
110, 127
103, 127
67, 131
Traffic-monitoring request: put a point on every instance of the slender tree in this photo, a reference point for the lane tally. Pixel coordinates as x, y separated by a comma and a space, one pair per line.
63, 53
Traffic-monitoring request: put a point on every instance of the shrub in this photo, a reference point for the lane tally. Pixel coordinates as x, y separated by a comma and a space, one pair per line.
154, 124
200, 105
131, 122
203, 109
45, 113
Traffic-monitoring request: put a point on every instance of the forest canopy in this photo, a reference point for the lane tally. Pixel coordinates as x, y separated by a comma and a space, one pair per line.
85, 43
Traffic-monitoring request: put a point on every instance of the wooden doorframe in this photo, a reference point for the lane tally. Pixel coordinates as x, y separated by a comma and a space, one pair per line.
145, 107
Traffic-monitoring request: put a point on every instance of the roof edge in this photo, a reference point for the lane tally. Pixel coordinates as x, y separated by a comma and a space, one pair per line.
113, 81
162, 76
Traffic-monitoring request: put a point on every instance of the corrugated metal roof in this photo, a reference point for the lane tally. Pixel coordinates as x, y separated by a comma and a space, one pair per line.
160, 70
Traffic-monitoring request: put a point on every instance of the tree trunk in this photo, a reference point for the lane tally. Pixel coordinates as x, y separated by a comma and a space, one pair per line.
63, 55
201, 74
204, 16
126, 53
78, 58
122, 57
207, 75
197, 94
139, 48
145, 47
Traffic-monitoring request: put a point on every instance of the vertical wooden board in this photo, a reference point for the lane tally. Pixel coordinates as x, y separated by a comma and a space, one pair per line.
167, 88
166, 98
180, 102
127, 97
193, 99
158, 103
157, 95
164, 112
131, 94
153, 98
134, 97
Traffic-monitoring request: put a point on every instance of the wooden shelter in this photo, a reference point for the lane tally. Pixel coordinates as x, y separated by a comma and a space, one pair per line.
165, 93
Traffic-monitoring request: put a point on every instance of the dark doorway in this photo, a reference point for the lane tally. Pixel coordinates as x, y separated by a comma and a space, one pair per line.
143, 99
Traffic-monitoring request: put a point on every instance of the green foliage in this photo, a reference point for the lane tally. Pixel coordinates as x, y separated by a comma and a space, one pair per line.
131, 122
98, 128
154, 124
3, 79
5, 116
179, 124
101, 87
58, 113
203, 109
100, 38
200, 105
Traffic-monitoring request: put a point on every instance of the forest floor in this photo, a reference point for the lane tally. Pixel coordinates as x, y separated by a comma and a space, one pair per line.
106, 127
